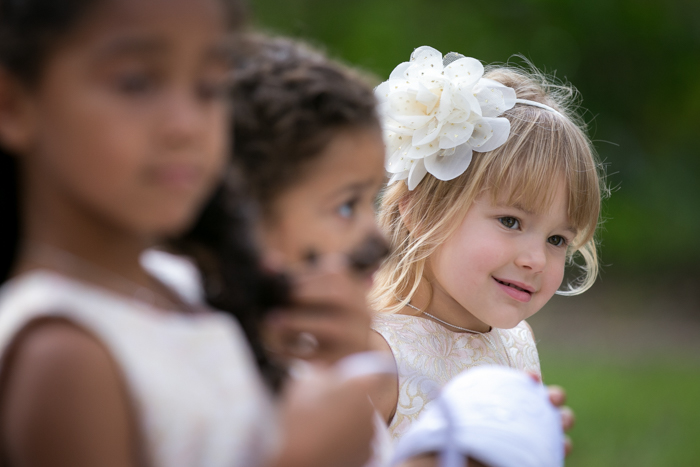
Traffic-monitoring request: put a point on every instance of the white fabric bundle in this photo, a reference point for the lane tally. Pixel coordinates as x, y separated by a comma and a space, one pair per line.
496, 415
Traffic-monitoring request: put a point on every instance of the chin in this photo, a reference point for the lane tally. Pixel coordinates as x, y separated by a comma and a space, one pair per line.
506, 322
169, 225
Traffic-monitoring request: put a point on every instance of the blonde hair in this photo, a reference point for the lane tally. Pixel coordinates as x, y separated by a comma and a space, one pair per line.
542, 146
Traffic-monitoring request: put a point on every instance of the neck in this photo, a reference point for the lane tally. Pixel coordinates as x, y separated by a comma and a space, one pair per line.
54, 221
432, 298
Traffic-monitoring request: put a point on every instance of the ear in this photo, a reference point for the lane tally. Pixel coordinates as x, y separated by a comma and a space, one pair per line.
16, 114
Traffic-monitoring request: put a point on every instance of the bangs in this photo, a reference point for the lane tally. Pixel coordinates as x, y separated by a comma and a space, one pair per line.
527, 170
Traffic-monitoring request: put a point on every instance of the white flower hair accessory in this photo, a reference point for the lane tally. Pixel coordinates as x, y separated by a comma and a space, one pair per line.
436, 111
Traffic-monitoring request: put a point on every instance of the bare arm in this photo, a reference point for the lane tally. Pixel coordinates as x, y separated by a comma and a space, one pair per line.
326, 422
63, 401
385, 394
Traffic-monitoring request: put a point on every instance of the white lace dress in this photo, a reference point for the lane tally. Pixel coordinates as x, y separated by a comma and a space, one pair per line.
428, 355
197, 396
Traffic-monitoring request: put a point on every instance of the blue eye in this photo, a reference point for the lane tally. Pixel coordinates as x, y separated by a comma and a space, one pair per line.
347, 209
557, 240
509, 222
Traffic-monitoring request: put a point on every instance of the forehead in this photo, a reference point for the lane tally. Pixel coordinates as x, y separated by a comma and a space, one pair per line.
535, 199
166, 21
351, 156
155, 12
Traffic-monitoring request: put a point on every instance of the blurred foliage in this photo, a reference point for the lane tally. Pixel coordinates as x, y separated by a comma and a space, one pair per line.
635, 62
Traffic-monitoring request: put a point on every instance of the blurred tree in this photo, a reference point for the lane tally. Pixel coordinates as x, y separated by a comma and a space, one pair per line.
636, 63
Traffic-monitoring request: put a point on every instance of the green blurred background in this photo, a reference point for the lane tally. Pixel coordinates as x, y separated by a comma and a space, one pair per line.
628, 351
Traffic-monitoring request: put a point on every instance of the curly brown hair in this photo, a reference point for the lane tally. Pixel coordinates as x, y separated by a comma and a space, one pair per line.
290, 101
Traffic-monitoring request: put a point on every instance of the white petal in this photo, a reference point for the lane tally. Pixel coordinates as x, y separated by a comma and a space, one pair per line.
449, 167
397, 177
494, 98
391, 141
397, 148
498, 129
508, 92
399, 72
404, 103
454, 134
426, 65
381, 92
427, 133
424, 150
427, 98
465, 71
383, 108
446, 104
416, 174
464, 104
390, 125
426, 53
398, 161
412, 122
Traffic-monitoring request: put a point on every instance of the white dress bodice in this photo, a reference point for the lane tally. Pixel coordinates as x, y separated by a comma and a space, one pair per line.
428, 355
190, 377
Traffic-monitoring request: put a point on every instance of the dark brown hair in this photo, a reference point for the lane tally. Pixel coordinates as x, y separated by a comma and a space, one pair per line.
29, 32
290, 101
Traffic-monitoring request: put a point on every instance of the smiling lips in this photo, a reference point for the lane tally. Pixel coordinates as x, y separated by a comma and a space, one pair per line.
519, 292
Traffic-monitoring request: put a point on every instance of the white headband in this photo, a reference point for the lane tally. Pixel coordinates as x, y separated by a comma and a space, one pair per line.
496, 415
536, 104
437, 110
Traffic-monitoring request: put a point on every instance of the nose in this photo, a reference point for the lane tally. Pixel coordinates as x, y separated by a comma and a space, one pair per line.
372, 248
184, 119
532, 256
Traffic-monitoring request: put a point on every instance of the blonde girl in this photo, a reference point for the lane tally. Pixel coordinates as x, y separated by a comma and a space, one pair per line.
494, 189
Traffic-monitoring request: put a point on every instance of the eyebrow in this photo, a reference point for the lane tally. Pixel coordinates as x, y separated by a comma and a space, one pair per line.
572, 229
131, 46
149, 46
355, 187
517, 206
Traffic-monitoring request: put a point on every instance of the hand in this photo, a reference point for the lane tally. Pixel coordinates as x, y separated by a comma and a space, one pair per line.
557, 396
328, 318
326, 422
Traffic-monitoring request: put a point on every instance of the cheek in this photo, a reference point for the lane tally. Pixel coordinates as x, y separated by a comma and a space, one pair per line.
94, 132
553, 277
470, 259
293, 229
99, 156
216, 138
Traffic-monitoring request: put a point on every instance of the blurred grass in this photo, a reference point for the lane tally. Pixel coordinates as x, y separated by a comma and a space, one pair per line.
629, 411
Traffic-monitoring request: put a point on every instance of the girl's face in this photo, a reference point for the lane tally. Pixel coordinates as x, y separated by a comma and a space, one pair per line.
503, 263
331, 208
128, 120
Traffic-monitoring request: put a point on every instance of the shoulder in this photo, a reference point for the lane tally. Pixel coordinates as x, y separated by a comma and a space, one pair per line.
521, 335
385, 394
61, 389
49, 341
385, 323
525, 325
